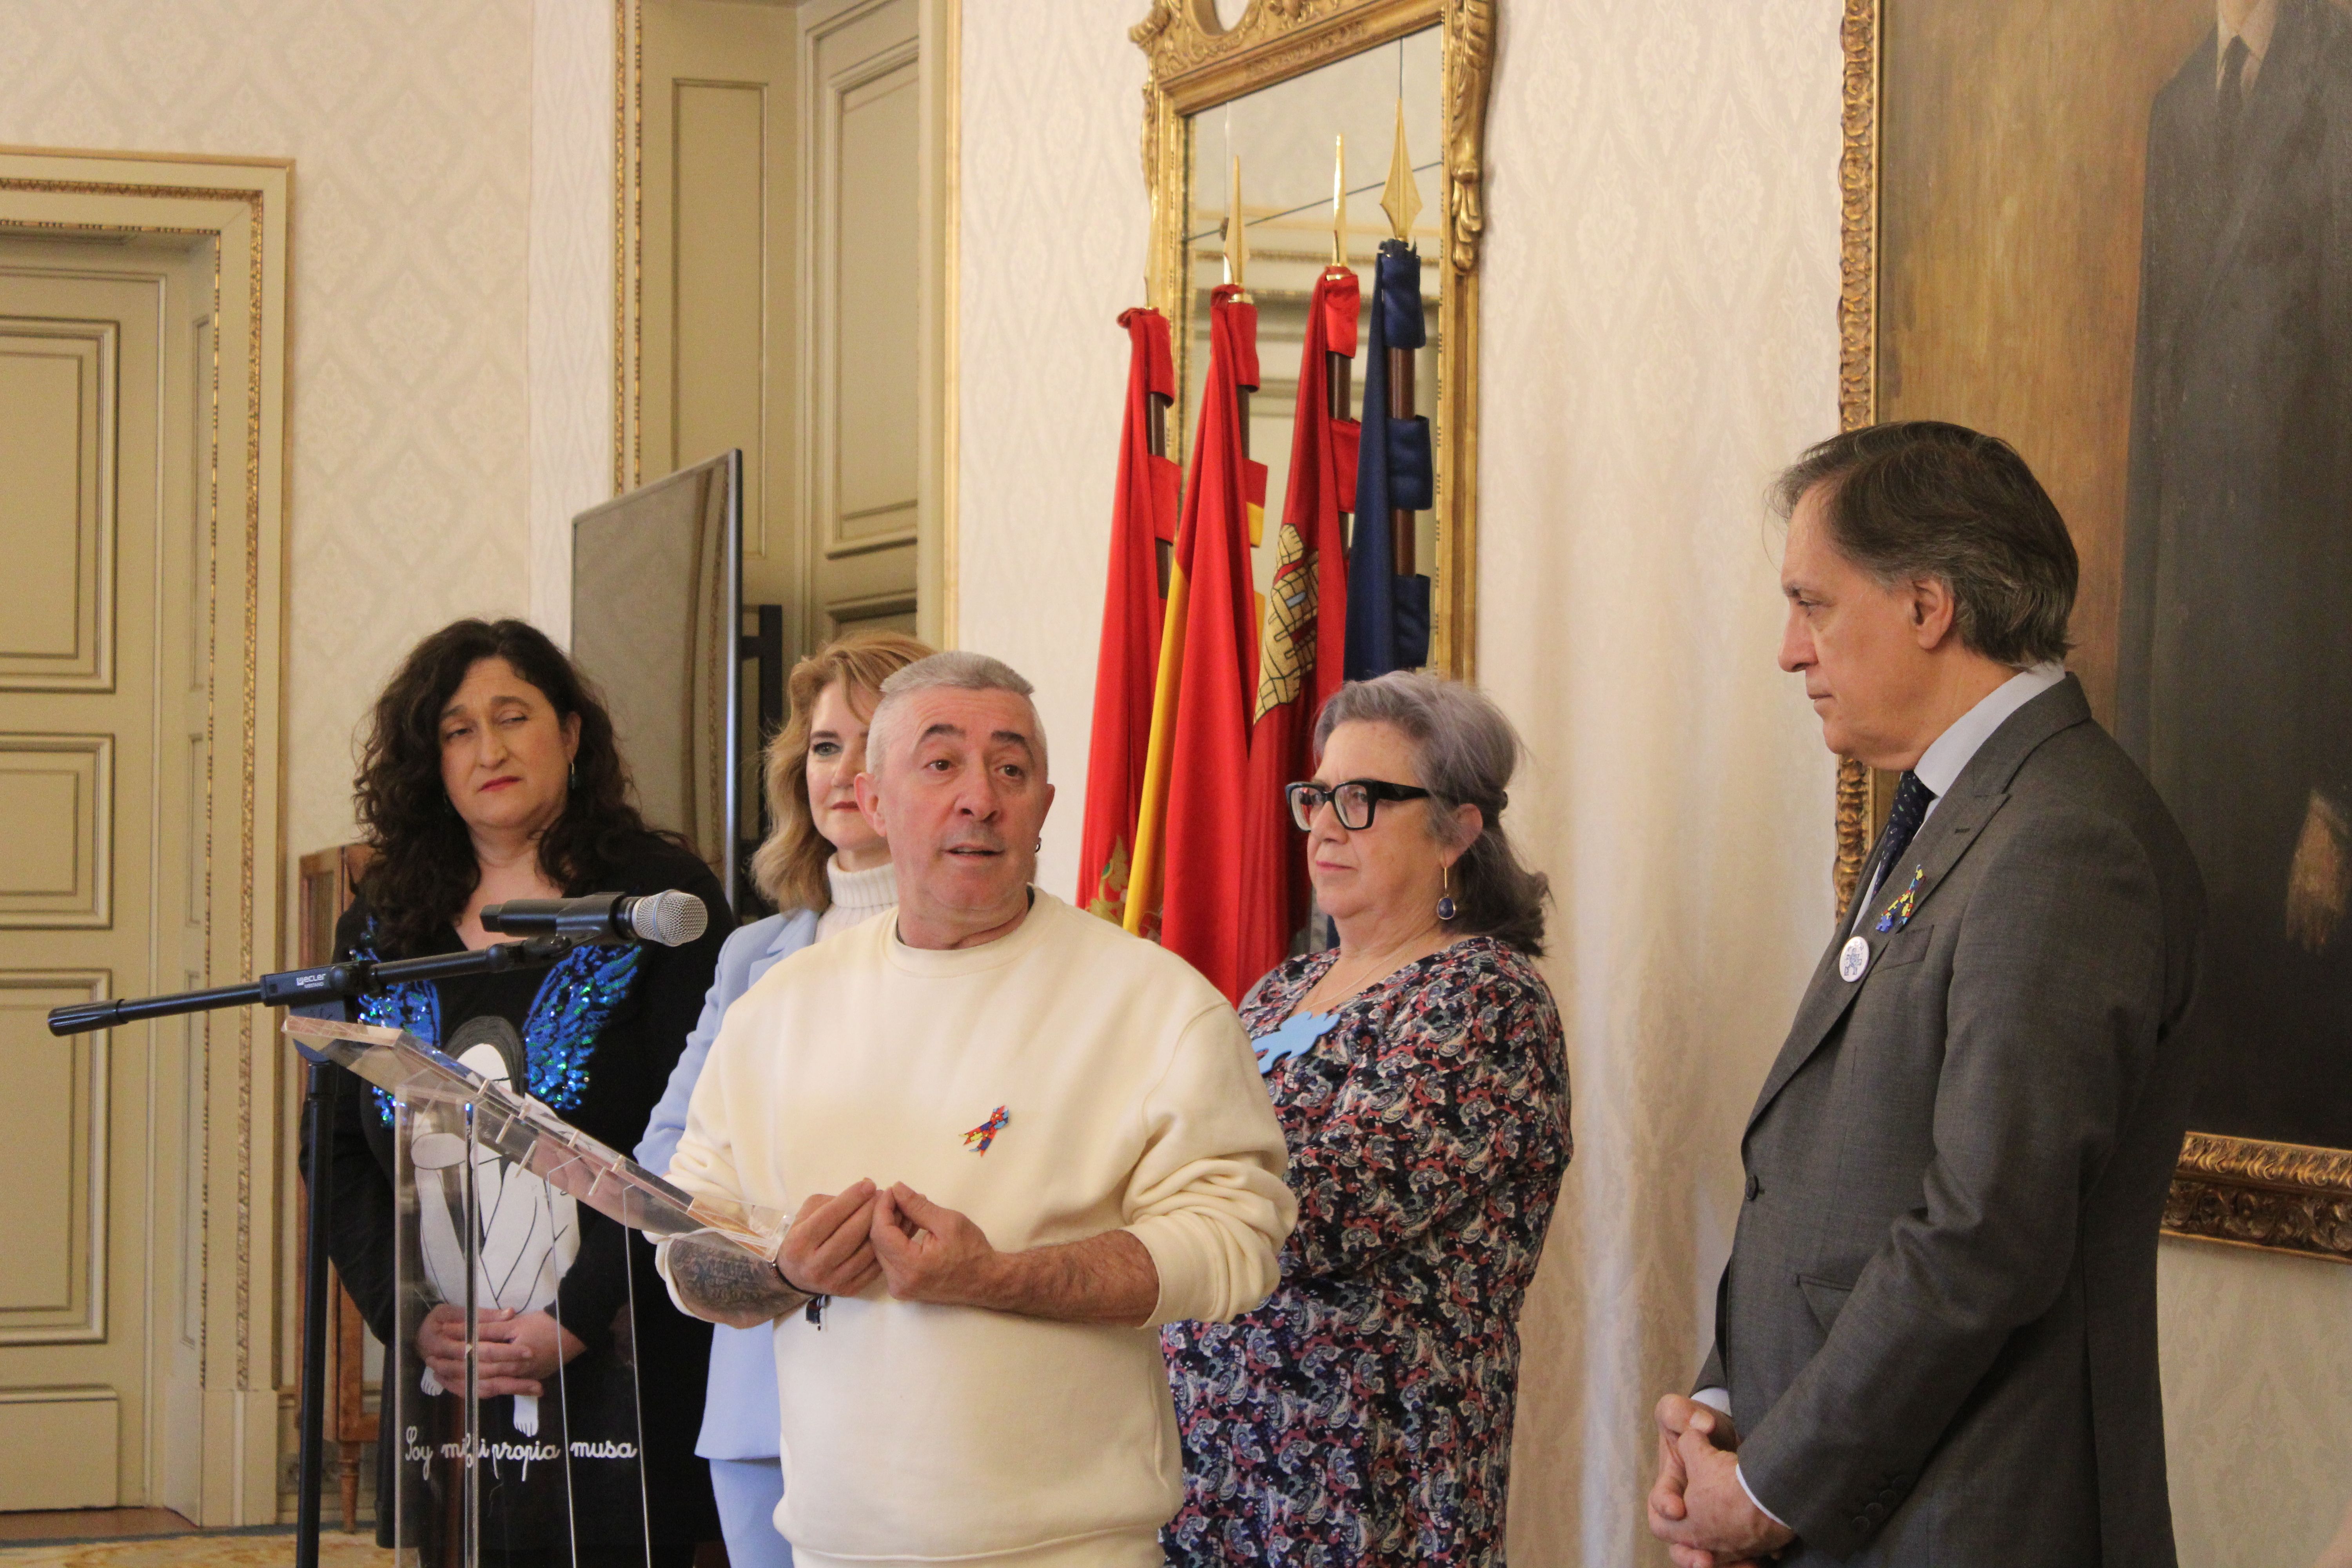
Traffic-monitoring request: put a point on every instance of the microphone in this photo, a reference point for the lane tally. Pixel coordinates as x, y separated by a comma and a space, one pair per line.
671, 919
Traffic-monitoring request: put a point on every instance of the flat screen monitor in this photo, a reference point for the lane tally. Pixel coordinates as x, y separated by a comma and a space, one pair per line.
656, 598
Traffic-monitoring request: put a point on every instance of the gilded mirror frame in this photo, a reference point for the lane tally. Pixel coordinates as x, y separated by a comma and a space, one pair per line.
2245, 1192
1197, 64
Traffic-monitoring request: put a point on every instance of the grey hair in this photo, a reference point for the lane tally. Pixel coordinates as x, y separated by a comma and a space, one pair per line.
1466, 752
957, 669
1919, 499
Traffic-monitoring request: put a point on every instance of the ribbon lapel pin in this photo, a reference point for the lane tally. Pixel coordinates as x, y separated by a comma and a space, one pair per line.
980, 1137
1898, 913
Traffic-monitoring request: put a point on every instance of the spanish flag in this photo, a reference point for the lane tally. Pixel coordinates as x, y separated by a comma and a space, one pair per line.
1305, 642
1188, 846
1143, 516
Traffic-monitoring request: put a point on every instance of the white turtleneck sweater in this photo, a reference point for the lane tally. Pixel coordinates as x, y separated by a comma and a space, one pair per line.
858, 897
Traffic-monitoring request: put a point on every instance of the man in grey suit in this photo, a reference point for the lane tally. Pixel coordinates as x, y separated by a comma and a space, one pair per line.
1935, 1338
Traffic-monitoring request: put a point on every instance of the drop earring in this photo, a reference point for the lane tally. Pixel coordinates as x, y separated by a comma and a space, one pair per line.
1447, 908
572, 777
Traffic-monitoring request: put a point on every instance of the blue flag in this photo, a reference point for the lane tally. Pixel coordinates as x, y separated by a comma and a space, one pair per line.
1388, 615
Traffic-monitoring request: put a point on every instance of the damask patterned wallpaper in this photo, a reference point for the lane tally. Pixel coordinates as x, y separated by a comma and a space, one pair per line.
571, 347
1051, 252
1660, 335
410, 126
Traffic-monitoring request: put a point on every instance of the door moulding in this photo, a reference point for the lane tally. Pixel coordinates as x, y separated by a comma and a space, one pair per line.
239, 207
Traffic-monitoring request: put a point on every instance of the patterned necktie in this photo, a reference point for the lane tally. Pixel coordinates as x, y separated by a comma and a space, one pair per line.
2231, 108
1912, 799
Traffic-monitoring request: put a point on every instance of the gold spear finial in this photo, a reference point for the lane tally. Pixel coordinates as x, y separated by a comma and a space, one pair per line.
1401, 199
1236, 233
1339, 200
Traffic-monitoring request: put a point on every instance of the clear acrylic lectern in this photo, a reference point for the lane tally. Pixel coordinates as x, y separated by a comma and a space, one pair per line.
489, 1186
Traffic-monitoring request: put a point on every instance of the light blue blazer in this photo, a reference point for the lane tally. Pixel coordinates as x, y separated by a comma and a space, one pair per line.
741, 1417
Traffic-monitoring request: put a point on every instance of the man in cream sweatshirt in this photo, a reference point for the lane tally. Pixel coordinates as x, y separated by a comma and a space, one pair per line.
1014, 1141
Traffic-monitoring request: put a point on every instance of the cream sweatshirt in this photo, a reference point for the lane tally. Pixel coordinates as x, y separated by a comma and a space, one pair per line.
1128, 1098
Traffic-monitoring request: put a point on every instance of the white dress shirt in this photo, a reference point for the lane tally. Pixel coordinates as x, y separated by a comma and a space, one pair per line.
1939, 768
1948, 756
2256, 30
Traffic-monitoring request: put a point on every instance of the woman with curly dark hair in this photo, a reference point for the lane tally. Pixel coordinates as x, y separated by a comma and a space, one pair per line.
489, 771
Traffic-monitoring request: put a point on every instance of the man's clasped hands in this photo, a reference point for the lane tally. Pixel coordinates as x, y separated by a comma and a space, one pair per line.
839, 1243
1697, 1506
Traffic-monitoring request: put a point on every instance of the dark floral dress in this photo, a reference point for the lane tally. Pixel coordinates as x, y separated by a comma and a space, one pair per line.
1363, 1415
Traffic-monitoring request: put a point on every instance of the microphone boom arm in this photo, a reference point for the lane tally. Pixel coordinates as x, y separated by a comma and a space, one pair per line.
320, 983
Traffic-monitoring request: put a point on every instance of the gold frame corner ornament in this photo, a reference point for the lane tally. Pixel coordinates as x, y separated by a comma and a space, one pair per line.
2243, 1191
1196, 64
2276, 1198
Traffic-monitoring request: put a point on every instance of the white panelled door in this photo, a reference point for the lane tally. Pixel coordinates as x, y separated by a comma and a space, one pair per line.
105, 378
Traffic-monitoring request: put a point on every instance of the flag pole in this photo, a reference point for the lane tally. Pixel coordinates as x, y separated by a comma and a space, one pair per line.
1402, 202
1236, 234
1337, 366
1237, 260
1339, 200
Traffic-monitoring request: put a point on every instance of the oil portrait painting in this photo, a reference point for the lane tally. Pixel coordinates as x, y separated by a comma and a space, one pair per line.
2120, 233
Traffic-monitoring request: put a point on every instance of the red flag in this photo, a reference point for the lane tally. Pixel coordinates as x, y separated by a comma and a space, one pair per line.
1143, 513
1305, 636
1188, 848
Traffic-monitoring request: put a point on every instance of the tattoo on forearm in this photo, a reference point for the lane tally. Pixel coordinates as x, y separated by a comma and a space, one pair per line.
720, 1276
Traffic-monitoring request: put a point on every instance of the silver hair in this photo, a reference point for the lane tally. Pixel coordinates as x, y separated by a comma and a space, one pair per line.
1465, 752
957, 669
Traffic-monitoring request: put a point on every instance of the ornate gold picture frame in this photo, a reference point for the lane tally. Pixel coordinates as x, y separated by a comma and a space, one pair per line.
1196, 64
2279, 1197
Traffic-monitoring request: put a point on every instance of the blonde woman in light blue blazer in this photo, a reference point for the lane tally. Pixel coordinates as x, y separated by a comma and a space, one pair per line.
825, 869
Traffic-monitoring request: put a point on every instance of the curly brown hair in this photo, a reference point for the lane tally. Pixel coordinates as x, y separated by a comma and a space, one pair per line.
423, 870
789, 865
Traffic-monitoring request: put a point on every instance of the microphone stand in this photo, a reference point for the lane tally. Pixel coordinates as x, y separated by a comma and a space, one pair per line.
307, 988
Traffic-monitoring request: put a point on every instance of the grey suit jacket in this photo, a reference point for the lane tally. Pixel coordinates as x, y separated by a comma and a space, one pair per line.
1938, 1323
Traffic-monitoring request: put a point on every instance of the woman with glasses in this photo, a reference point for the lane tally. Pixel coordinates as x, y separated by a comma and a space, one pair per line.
1363, 1415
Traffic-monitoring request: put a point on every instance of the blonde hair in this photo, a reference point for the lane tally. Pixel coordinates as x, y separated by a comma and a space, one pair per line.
789, 865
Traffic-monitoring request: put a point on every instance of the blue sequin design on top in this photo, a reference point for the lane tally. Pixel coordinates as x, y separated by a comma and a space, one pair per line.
559, 1035
414, 1008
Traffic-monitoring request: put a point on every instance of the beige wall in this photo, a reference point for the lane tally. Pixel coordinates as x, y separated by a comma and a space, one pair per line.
2257, 1403
570, 352
1660, 334
1051, 251
411, 128
1663, 247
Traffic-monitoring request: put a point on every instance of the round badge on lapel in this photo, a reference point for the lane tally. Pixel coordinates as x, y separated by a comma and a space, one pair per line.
1853, 959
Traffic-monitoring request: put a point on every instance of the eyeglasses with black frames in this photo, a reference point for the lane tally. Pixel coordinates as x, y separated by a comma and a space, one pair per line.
1355, 800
